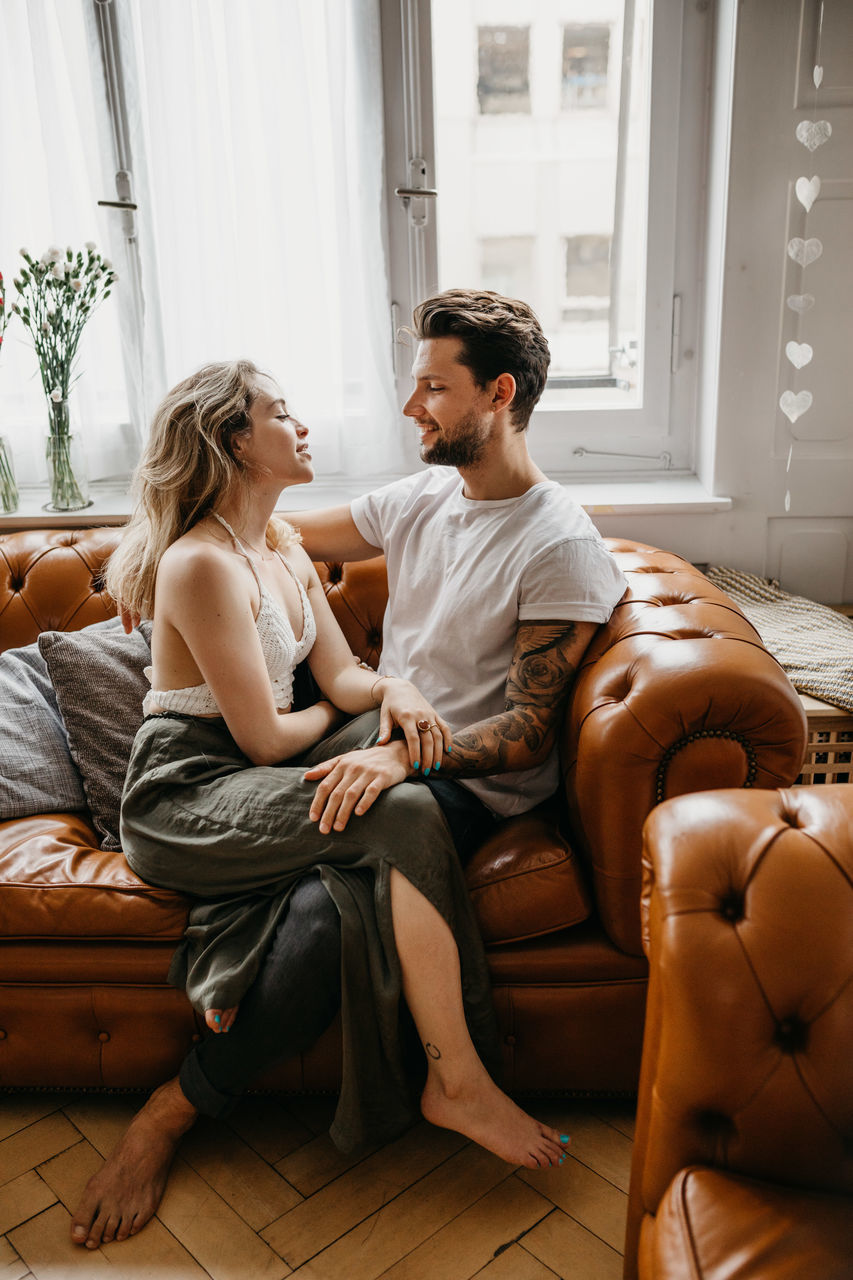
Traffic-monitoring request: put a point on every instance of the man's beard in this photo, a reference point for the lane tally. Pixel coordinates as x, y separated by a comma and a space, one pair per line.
465, 449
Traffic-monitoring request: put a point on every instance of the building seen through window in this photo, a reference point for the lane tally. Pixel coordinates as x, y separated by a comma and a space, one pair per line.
587, 278
585, 54
541, 134
503, 57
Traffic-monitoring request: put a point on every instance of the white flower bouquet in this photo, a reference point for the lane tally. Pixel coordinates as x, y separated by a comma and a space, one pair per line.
56, 295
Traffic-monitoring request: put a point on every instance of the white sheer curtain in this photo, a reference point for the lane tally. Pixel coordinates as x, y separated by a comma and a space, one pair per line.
260, 125
256, 139
51, 178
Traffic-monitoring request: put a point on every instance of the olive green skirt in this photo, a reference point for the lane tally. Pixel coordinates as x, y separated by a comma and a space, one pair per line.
199, 818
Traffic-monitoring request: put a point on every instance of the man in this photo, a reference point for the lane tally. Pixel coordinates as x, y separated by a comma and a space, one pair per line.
497, 582
497, 579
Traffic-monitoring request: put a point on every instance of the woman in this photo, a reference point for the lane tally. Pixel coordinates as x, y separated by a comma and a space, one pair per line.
209, 809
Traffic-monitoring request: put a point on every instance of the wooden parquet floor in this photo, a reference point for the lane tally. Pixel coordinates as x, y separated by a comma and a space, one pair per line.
265, 1195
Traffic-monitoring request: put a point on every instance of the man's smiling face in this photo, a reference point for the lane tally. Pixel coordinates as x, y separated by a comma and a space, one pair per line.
450, 409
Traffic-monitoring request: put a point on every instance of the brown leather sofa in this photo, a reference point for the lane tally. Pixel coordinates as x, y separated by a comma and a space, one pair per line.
743, 1159
676, 694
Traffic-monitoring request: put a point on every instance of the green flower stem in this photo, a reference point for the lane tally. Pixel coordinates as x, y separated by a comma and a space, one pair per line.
65, 492
8, 488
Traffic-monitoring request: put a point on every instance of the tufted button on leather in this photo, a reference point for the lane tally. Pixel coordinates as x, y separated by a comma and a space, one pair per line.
510, 1040
2, 1034
731, 907
336, 573
792, 1034
97, 585
16, 583
374, 638
714, 1125
103, 1036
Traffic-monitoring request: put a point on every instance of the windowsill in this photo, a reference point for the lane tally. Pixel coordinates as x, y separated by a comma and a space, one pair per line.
664, 495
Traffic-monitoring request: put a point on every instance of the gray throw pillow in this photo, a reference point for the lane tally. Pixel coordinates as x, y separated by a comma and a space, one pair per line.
37, 774
99, 684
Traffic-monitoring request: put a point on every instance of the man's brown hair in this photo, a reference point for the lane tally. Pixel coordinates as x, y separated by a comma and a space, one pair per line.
498, 335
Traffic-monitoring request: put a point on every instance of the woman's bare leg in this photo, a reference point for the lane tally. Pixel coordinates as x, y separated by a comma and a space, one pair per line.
459, 1094
122, 1196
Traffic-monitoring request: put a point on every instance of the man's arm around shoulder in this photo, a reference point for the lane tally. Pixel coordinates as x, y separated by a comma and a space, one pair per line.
331, 534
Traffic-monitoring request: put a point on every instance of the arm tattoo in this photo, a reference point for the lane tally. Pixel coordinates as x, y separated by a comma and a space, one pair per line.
543, 667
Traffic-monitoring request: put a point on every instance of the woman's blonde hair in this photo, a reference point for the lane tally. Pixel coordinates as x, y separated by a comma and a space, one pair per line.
187, 468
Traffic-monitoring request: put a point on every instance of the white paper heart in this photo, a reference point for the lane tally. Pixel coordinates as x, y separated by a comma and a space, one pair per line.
799, 353
817, 76
808, 190
801, 302
813, 133
788, 500
805, 251
794, 406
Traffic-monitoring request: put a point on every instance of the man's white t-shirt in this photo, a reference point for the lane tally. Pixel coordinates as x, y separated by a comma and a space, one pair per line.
462, 575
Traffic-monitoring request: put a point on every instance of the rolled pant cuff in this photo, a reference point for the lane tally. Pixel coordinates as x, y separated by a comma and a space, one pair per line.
200, 1093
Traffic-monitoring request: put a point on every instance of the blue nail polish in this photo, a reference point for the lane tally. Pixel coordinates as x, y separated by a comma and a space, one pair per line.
438, 766
449, 749
426, 773
564, 1137
417, 764
217, 1019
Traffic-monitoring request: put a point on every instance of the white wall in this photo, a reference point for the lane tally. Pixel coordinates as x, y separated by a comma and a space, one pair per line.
809, 547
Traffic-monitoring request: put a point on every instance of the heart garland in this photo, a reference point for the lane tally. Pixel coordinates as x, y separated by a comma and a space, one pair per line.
814, 133
808, 190
804, 251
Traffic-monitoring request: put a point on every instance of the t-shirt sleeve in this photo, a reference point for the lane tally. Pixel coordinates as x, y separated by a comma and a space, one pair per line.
374, 513
577, 579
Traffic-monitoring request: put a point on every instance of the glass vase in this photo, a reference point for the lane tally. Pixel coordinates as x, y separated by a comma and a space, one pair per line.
8, 487
66, 462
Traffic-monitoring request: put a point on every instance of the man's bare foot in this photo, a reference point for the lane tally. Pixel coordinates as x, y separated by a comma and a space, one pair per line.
125, 1193
221, 1019
484, 1113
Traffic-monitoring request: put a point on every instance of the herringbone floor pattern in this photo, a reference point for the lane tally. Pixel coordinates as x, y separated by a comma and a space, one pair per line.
266, 1195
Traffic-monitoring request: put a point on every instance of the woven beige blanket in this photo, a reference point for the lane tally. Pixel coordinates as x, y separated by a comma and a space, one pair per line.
813, 643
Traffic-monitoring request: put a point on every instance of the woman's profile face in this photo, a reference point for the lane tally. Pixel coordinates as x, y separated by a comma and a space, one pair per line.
276, 443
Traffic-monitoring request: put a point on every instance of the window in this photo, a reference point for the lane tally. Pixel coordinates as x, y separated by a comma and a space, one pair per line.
585, 54
249, 139
506, 264
503, 58
587, 202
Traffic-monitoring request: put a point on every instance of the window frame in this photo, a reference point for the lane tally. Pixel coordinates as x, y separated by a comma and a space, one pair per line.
584, 440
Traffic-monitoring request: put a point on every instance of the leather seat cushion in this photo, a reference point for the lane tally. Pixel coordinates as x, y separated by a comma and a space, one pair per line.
59, 885
712, 1225
525, 881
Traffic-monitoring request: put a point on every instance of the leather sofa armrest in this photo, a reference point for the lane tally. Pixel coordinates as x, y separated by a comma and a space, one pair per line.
748, 903
676, 694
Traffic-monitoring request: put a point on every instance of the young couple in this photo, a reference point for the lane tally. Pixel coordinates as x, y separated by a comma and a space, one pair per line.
323, 841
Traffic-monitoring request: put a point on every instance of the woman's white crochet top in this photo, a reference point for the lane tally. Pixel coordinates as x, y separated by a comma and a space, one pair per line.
282, 651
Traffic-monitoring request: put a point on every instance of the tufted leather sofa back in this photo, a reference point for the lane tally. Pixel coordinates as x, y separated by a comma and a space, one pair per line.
748, 910
51, 580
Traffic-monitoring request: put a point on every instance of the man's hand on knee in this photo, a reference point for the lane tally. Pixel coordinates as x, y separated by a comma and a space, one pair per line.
350, 783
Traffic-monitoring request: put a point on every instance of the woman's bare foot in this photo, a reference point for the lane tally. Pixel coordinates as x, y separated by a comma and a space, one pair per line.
221, 1019
483, 1112
125, 1193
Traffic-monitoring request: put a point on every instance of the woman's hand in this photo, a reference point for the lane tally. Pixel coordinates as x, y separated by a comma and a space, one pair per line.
352, 781
427, 735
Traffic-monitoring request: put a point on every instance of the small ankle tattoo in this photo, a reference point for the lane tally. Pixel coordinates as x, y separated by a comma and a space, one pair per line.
432, 1050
